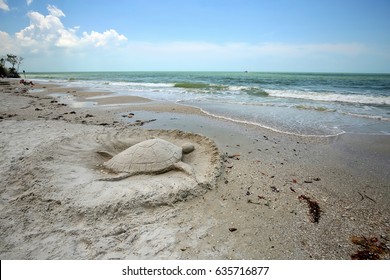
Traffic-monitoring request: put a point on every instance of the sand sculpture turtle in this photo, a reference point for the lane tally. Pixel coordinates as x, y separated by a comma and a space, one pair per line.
153, 156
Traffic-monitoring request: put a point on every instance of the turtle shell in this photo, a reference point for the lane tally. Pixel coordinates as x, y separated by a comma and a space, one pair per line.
150, 156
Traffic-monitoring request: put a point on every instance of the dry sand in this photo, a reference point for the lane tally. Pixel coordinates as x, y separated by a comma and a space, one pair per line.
264, 195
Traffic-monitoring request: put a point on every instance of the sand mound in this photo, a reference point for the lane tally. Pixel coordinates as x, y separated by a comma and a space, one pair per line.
71, 167
52, 192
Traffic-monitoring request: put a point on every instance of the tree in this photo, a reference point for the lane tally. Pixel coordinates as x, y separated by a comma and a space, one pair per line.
19, 62
3, 70
12, 59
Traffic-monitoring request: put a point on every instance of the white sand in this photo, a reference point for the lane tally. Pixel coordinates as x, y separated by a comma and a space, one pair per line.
53, 206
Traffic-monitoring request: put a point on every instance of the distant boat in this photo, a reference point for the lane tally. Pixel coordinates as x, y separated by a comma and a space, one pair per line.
245, 71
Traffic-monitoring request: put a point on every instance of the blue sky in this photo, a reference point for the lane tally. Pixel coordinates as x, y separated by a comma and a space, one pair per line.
198, 35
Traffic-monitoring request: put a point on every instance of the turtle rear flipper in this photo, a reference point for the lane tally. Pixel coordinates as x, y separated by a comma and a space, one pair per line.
105, 155
117, 177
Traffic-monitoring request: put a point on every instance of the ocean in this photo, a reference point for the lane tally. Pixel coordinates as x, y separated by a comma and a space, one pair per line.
319, 104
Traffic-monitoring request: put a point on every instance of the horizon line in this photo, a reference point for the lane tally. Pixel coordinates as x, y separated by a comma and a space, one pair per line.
215, 71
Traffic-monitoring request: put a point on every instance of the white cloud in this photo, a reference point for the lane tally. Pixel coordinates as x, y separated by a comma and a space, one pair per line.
54, 11
6, 45
29, 2
67, 38
43, 30
47, 32
4, 5
103, 39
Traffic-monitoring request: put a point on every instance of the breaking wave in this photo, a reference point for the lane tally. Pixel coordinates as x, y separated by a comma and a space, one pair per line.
331, 97
200, 86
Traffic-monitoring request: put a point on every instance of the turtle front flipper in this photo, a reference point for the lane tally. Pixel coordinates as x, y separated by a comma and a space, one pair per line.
187, 169
117, 177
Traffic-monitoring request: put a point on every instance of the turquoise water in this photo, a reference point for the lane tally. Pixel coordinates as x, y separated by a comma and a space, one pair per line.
299, 103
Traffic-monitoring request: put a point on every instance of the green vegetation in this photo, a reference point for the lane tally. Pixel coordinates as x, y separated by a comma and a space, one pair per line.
12, 60
255, 91
192, 85
200, 86
318, 109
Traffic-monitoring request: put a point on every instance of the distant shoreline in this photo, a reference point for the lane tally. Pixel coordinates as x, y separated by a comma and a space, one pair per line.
215, 71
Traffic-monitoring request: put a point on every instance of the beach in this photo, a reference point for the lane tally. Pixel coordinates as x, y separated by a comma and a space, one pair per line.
263, 194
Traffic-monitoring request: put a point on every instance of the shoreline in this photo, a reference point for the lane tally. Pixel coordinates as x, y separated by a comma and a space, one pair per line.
264, 176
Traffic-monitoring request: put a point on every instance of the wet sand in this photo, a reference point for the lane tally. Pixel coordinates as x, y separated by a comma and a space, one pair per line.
276, 196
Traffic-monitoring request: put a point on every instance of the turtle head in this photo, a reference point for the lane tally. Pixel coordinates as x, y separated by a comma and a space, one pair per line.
187, 148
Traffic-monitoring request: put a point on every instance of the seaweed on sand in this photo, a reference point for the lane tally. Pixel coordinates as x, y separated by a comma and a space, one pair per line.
314, 208
371, 248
